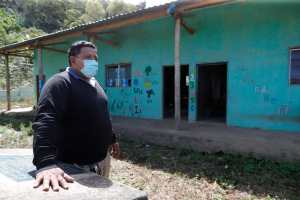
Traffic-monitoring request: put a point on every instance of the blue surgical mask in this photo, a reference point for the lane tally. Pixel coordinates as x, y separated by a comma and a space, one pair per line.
90, 68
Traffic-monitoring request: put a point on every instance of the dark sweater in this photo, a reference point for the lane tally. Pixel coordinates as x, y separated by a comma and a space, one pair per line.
72, 123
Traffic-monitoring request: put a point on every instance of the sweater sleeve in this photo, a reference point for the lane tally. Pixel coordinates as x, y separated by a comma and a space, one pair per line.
47, 123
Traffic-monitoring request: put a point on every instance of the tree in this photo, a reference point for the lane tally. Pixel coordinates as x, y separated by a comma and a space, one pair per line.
141, 5
8, 27
43, 14
94, 11
97, 10
116, 7
11, 32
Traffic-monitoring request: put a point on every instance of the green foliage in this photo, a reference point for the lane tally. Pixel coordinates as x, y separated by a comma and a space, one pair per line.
73, 18
43, 14
25, 19
96, 10
11, 32
51, 16
118, 6
9, 27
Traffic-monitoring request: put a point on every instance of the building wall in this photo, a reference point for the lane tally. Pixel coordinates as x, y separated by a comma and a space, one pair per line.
19, 94
253, 37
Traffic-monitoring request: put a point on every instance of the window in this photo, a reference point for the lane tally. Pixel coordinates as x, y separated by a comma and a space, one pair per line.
295, 66
118, 75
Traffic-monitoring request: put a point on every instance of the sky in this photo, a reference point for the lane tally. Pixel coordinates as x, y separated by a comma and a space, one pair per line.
149, 3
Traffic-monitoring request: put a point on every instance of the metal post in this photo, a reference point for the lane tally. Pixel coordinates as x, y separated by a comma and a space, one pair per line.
177, 73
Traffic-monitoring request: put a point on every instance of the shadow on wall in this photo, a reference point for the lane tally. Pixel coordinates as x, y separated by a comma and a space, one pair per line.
259, 177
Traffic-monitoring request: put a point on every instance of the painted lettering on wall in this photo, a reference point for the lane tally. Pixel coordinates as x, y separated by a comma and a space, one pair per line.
138, 91
148, 70
192, 92
283, 110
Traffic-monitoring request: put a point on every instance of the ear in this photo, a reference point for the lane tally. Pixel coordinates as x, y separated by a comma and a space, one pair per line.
72, 59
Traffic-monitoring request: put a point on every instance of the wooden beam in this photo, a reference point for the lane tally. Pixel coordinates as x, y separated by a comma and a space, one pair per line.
8, 99
108, 42
56, 43
58, 39
94, 37
45, 45
56, 50
177, 73
19, 55
129, 21
186, 27
118, 22
194, 4
19, 51
50, 40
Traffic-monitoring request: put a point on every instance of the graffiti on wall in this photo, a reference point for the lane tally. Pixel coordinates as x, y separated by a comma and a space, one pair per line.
137, 109
131, 102
283, 110
192, 92
120, 105
138, 91
148, 70
267, 97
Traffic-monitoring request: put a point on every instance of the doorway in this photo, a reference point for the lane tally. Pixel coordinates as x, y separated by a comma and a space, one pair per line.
169, 92
212, 92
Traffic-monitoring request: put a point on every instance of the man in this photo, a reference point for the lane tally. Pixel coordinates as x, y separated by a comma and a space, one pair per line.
72, 124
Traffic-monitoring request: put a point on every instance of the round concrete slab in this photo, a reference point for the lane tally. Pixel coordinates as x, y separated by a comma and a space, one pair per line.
16, 182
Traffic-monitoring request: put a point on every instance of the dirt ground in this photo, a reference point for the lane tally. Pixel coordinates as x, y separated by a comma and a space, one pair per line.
170, 173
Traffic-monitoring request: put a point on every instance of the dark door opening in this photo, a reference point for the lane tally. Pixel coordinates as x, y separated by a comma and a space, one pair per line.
212, 92
169, 91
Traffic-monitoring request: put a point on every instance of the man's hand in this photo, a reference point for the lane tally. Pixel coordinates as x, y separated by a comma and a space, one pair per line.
55, 177
115, 150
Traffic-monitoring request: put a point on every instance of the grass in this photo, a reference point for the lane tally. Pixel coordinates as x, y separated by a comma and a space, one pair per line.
15, 132
169, 173
221, 176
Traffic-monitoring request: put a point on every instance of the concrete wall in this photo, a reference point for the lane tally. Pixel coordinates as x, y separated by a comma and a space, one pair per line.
18, 94
253, 37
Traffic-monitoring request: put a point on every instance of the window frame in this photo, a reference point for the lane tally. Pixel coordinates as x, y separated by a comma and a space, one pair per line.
118, 65
290, 66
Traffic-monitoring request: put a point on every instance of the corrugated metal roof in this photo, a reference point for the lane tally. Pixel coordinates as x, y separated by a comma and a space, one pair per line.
161, 9
87, 25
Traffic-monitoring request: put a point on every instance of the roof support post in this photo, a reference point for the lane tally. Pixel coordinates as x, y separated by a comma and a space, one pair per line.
177, 73
41, 72
8, 99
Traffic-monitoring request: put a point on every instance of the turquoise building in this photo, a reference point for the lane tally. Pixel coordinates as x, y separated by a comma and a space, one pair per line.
240, 62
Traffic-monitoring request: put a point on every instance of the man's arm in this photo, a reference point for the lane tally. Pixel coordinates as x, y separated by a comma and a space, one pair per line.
50, 110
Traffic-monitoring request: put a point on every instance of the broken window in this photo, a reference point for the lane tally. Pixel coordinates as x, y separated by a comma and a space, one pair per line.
118, 75
295, 66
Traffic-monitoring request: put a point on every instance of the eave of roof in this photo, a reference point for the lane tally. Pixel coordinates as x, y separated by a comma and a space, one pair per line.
117, 21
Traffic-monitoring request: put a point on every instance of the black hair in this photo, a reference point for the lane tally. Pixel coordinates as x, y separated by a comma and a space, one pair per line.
76, 47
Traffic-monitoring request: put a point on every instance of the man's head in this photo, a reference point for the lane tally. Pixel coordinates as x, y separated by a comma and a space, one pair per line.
79, 52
